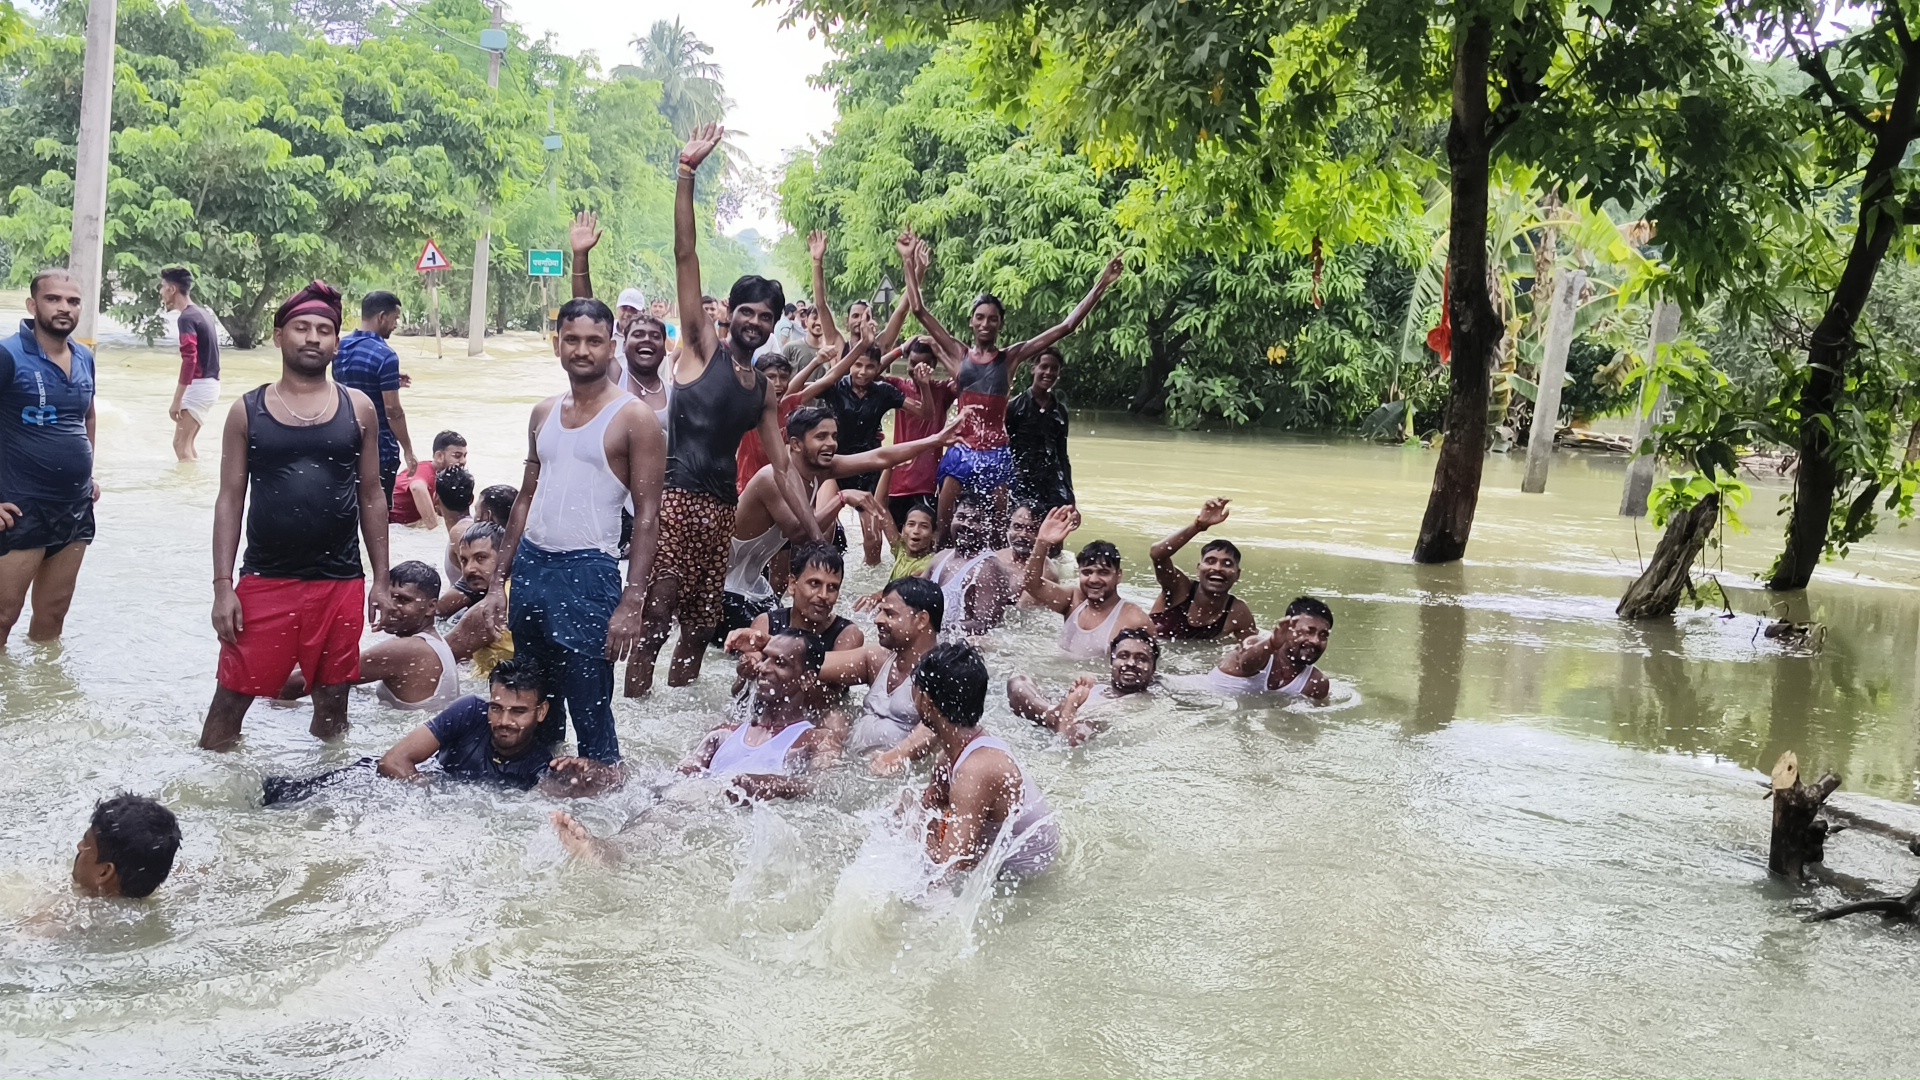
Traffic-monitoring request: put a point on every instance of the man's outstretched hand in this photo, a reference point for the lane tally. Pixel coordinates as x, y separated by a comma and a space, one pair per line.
585, 232
705, 138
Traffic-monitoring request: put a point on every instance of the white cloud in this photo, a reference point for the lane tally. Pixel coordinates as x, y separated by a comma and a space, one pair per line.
765, 67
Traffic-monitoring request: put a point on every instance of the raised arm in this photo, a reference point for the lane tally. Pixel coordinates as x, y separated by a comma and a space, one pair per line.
886, 457
1173, 580
1033, 347
817, 247
697, 342
787, 479
914, 259
584, 235
890, 334
1059, 525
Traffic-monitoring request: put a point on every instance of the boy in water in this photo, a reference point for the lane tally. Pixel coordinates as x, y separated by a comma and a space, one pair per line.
1134, 660
128, 848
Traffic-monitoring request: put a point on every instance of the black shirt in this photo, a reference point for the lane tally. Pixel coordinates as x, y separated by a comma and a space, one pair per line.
196, 324
303, 503
1042, 471
466, 748
859, 416
706, 419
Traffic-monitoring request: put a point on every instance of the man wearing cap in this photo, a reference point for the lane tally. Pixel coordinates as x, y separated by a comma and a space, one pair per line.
632, 303
302, 457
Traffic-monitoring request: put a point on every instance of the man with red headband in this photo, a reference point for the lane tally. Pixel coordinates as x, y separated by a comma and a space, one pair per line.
307, 451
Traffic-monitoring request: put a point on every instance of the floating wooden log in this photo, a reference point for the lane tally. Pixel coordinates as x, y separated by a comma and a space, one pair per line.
1799, 832
1655, 594
1890, 907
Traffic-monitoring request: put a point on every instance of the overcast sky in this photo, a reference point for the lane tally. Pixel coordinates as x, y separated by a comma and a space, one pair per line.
765, 67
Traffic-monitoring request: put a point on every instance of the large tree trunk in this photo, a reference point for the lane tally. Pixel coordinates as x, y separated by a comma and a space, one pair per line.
1150, 398
244, 323
1476, 326
1881, 217
1655, 594
1562, 315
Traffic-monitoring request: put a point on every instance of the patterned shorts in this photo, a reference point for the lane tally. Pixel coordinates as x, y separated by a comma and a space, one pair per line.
696, 538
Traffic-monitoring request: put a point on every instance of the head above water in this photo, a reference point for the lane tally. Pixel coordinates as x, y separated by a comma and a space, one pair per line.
911, 609
453, 487
1311, 623
917, 529
972, 524
866, 367
1023, 528
128, 848
380, 313
818, 574
449, 450
53, 302
753, 306
950, 685
789, 667
516, 704
813, 437
583, 340
306, 326
416, 589
477, 554
1219, 569
645, 345
496, 504
1047, 368
1099, 564
1134, 658
176, 286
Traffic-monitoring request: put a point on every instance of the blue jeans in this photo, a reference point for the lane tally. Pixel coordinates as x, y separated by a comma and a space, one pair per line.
560, 606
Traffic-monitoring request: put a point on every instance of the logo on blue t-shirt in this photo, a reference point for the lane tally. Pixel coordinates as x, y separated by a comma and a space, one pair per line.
40, 415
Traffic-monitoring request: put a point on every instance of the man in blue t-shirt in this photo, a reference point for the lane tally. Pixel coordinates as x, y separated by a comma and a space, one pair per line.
47, 490
368, 364
493, 741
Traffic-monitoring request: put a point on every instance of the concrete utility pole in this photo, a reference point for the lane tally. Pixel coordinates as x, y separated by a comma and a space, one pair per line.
90, 165
477, 311
1553, 375
1633, 494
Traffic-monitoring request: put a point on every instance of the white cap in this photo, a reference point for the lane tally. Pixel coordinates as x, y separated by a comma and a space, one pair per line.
632, 298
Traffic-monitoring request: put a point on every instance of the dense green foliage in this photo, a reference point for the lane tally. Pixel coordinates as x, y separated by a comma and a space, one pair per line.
259, 168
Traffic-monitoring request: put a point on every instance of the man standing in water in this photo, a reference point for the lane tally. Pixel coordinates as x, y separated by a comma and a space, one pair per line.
774, 755
983, 373
1095, 612
1133, 662
914, 482
978, 791
199, 387
589, 451
1037, 432
1204, 609
365, 362
717, 398
301, 457
47, 440
1282, 662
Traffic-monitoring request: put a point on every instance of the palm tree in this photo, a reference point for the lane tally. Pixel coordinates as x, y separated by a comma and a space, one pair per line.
691, 92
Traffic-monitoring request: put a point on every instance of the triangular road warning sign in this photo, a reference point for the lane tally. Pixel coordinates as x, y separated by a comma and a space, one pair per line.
431, 259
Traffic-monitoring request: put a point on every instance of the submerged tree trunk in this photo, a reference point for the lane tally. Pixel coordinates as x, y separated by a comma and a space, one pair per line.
1476, 326
1639, 483
1562, 315
1655, 594
1150, 398
1799, 833
1881, 217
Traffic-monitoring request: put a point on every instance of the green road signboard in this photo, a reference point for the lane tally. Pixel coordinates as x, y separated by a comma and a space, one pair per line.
546, 264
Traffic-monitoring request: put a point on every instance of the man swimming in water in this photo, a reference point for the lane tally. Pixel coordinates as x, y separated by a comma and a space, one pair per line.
128, 848
1203, 607
1135, 661
412, 668
1281, 662
818, 574
493, 741
978, 791
1023, 527
1095, 612
777, 754
976, 585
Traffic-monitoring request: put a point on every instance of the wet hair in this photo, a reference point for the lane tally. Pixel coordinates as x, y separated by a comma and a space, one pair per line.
920, 345
754, 289
485, 530
954, 678
1307, 605
920, 595
773, 358
498, 501
520, 674
988, 298
643, 317
816, 646
1099, 553
1053, 352
704, 300
416, 573
806, 418
180, 278
585, 307
922, 506
446, 439
375, 304
821, 554
51, 272
1135, 633
1032, 508
970, 500
139, 838
1221, 545
871, 352
454, 486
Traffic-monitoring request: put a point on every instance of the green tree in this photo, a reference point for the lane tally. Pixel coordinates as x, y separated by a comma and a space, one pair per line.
691, 90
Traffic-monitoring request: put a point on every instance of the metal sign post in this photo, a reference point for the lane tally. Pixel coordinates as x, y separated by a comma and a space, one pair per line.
433, 266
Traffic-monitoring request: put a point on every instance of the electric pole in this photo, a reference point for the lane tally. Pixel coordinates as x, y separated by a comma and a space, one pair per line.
87, 254
495, 41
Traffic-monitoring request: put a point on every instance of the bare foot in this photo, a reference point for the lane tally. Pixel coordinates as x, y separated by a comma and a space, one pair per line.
580, 843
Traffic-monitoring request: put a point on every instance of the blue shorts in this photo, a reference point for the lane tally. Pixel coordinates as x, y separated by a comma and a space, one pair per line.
980, 471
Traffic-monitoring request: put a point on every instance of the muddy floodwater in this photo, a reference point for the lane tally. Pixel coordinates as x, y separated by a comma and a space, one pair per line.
1525, 839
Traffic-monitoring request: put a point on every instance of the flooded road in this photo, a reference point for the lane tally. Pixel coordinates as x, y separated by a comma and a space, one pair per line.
1526, 839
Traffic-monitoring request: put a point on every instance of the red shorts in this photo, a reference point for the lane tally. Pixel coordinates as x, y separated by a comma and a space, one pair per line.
286, 622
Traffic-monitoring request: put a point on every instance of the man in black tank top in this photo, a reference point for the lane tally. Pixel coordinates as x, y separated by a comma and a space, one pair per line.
302, 457
1201, 608
717, 399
